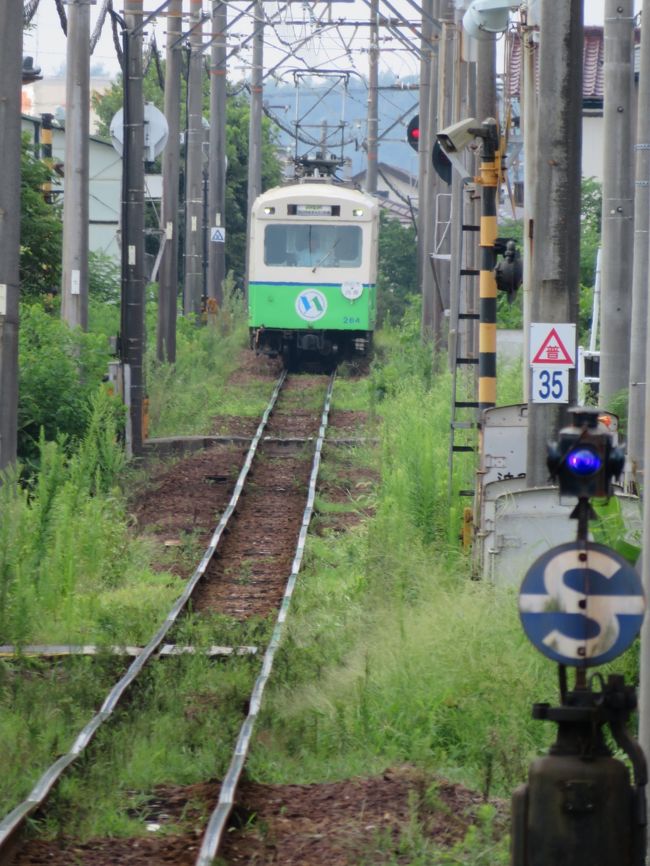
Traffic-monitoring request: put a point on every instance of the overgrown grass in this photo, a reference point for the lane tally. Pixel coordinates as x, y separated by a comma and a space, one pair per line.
184, 397
392, 653
179, 729
69, 570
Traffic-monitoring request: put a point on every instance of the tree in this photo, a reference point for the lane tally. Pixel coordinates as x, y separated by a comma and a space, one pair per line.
41, 229
108, 103
397, 274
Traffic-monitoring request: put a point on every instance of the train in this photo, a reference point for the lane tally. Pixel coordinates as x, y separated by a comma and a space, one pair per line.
312, 271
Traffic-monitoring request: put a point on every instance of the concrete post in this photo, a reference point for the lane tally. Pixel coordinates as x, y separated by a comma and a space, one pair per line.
194, 177
74, 294
556, 228
11, 41
618, 203
217, 188
168, 275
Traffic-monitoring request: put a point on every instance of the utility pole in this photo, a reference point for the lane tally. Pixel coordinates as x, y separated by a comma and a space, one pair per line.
46, 153
428, 122
74, 294
529, 120
194, 178
217, 187
557, 212
373, 98
640, 285
133, 281
641, 241
168, 275
486, 106
442, 200
11, 49
255, 124
618, 203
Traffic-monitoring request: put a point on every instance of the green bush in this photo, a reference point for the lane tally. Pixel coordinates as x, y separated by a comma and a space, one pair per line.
59, 371
64, 544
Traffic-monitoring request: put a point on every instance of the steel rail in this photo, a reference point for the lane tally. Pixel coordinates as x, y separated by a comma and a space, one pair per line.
221, 813
12, 823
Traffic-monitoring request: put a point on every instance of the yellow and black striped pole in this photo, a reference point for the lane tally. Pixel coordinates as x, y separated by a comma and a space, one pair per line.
487, 341
46, 152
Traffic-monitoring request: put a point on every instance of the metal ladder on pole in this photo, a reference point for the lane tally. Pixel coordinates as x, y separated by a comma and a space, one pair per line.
463, 357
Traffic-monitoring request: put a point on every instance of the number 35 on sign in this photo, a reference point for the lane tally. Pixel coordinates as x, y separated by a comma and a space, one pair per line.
550, 385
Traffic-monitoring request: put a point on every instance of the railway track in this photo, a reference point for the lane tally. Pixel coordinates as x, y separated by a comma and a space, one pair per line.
260, 522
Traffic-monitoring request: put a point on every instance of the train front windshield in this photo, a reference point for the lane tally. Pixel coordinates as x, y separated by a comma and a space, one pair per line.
327, 246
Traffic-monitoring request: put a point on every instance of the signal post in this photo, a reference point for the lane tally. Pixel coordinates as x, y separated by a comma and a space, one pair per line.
581, 605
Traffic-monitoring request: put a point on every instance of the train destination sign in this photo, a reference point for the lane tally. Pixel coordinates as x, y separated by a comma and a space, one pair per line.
581, 604
552, 345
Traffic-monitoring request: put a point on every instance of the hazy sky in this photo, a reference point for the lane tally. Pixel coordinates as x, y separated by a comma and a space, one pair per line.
47, 42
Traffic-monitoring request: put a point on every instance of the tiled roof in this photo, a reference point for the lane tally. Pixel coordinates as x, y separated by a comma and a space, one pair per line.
593, 64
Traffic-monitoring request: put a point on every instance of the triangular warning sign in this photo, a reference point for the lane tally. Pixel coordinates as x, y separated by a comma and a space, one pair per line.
552, 351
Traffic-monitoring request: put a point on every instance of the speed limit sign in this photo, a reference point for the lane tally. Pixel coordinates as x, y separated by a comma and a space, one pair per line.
550, 385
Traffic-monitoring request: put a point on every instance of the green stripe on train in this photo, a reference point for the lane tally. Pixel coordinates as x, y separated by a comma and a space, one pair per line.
310, 305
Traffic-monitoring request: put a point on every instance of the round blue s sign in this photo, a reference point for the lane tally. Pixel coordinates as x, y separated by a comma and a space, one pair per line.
581, 604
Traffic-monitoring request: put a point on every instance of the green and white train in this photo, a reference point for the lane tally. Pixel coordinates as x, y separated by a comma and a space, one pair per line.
313, 270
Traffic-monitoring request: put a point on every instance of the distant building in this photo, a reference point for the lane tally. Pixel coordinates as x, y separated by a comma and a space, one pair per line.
48, 96
593, 126
397, 191
105, 183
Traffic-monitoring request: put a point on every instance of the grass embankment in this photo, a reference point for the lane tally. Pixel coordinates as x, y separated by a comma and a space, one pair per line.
392, 654
73, 572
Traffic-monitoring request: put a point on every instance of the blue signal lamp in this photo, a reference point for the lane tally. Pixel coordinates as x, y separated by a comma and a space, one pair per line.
584, 460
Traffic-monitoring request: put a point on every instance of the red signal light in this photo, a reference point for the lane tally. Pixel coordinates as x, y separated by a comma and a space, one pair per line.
413, 132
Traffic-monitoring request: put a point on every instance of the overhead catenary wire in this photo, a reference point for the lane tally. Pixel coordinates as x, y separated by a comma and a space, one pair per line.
29, 10
63, 18
99, 26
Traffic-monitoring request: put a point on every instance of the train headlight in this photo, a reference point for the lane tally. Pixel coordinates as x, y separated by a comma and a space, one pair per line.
269, 211
358, 211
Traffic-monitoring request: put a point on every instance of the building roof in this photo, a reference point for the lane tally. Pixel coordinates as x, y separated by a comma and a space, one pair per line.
593, 64
392, 171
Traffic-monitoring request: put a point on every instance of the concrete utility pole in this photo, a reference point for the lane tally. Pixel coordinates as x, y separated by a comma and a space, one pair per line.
529, 121
194, 177
11, 50
636, 424
373, 98
642, 218
442, 199
428, 122
217, 188
74, 289
618, 203
557, 213
133, 279
255, 123
168, 274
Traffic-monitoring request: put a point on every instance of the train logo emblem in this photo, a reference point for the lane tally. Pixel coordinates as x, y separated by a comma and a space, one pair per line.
581, 607
311, 305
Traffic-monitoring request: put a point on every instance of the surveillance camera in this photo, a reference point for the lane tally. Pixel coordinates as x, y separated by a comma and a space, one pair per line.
457, 136
484, 18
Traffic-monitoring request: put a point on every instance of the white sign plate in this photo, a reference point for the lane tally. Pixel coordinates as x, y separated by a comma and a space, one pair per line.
218, 234
550, 385
552, 345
